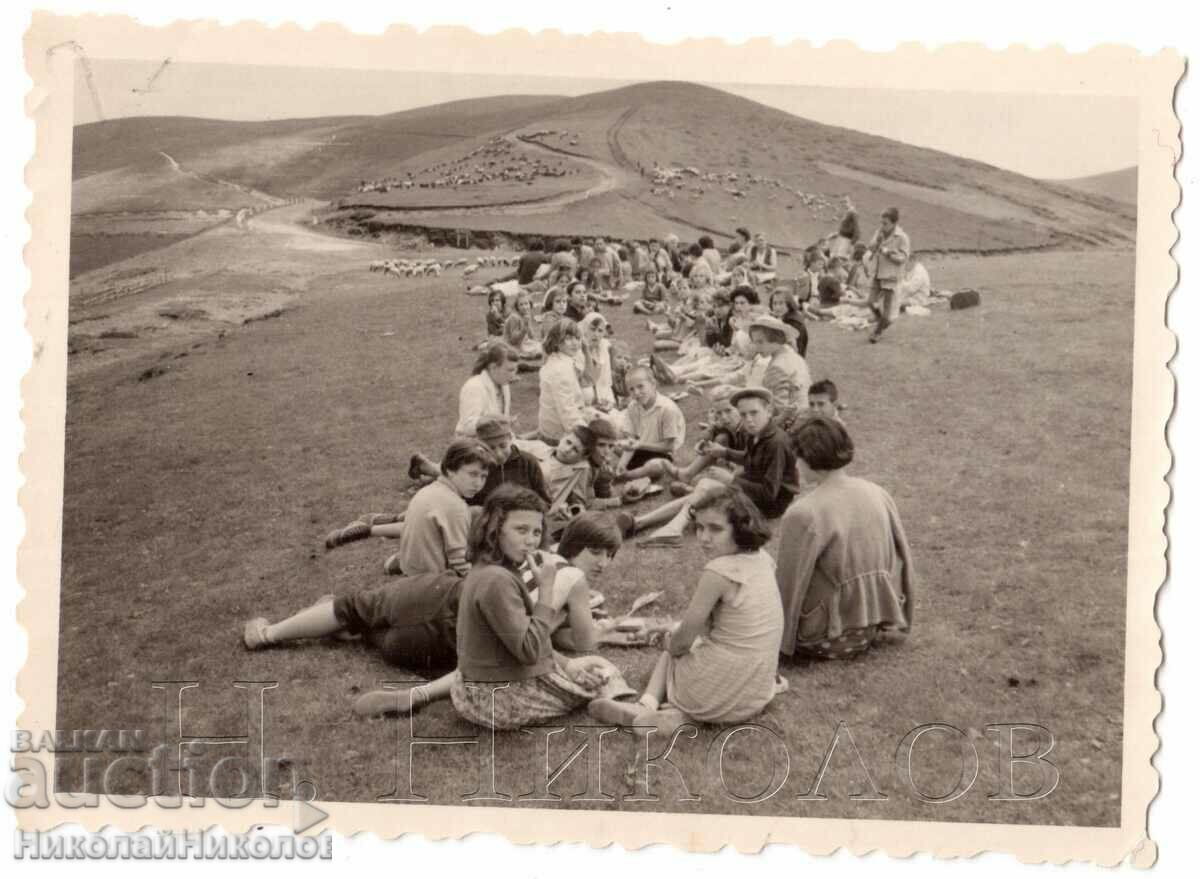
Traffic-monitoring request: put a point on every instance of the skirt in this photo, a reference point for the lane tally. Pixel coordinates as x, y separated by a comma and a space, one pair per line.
514, 704
850, 643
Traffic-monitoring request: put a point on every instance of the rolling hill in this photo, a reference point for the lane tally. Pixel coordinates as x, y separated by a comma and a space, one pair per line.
1121, 186
637, 161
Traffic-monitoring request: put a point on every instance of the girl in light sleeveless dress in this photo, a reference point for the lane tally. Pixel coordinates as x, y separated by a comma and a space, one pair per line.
721, 663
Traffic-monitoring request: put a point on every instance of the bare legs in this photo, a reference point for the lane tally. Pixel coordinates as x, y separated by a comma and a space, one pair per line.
673, 516
404, 700
318, 621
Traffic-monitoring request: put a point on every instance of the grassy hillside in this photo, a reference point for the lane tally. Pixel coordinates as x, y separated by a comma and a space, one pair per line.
694, 159
1120, 186
640, 160
301, 157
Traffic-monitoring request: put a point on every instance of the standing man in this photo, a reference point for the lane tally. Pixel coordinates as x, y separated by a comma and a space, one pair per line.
891, 249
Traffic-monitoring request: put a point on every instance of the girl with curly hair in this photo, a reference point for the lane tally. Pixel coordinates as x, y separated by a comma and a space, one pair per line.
721, 663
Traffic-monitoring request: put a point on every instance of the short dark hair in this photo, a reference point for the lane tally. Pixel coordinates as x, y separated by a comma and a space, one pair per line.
743, 231
695, 250
493, 355
589, 530
745, 291
497, 294
750, 530
824, 386
848, 228
706, 242
788, 299
829, 288
586, 438
822, 443
892, 214
562, 329
483, 543
537, 244
462, 452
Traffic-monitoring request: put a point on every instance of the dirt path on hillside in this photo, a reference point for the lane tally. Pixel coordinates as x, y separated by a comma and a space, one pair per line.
196, 175
189, 293
288, 223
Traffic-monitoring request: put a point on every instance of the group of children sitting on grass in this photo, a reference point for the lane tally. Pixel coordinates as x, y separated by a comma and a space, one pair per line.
483, 607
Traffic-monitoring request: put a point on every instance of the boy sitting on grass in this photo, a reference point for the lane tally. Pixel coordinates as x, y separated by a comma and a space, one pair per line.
658, 428
768, 473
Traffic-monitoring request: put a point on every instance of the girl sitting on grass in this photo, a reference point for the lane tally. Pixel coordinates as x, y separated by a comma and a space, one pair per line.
845, 567
433, 535
653, 295
496, 314
784, 307
721, 662
508, 672
413, 622
523, 332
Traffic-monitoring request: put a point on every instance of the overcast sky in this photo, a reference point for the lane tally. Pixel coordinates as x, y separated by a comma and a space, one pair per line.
1042, 135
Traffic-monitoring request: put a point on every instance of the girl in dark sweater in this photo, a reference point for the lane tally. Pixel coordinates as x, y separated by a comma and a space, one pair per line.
508, 672
514, 599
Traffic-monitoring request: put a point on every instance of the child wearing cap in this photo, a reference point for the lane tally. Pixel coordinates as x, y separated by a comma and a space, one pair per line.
786, 375
512, 466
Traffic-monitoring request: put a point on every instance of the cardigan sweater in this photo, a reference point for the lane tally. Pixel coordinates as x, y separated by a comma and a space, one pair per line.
844, 562
502, 634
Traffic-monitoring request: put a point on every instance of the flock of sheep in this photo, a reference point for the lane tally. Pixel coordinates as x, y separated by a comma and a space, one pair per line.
410, 268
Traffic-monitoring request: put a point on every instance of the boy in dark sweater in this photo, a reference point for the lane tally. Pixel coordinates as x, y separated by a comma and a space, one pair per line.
513, 466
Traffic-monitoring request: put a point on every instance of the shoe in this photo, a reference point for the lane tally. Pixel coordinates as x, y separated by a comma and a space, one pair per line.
662, 540
378, 702
254, 636
392, 565
873, 338
414, 467
679, 489
615, 711
627, 524
358, 530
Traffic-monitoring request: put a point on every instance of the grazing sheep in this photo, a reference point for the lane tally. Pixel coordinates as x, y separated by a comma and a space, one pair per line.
478, 290
470, 270
377, 265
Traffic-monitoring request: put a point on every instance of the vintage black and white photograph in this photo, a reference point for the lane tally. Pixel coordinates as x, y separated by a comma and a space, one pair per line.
686, 446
